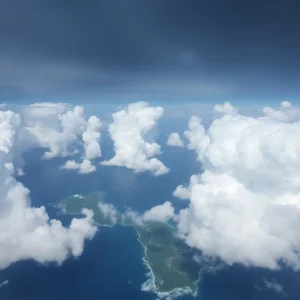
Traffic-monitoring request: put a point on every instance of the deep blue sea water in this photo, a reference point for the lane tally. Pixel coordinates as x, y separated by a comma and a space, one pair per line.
111, 266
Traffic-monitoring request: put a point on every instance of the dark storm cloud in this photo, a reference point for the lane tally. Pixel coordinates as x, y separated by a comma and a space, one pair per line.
114, 33
193, 48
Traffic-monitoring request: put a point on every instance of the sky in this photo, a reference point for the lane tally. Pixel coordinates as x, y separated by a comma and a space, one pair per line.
164, 51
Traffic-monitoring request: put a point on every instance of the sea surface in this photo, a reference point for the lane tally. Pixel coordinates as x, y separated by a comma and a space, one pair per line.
111, 266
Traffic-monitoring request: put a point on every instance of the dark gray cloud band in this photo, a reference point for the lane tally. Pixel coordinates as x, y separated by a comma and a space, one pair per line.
168, 48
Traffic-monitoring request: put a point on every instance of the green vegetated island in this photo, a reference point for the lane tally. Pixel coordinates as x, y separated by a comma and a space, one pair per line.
169, 258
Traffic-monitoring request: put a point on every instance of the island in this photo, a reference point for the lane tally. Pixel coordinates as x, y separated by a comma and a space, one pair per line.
171, 263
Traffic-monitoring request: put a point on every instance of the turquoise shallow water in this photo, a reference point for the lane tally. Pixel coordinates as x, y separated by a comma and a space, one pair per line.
111, 266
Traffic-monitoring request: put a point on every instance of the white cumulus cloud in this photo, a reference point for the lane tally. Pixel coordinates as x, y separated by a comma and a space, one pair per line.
245, 206
175, 140
27, 232
85, 167
91, 138
55, 127
225, 109
61, 129
183, 192
286, 112
128, 130
159, 213
196, 136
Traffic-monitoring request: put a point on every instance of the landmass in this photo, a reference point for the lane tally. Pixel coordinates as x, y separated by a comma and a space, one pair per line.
172, 267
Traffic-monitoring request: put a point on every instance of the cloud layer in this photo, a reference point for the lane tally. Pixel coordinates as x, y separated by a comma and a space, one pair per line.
63, 130
244, 207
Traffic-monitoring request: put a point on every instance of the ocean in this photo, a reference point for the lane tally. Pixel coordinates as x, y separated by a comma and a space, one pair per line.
111, 266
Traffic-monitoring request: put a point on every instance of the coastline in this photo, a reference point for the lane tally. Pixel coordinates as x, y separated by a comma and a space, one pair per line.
149, 285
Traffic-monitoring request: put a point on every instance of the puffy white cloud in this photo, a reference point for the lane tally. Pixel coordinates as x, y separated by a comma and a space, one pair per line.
73, 121
245, 206
175, 140
3, 105
184, 193
108, 211
127, 130
9, 124
85, 167
62, 130
225, 109
159, 213
55, 127
91, 138
27, 232
285, 113
196, 136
